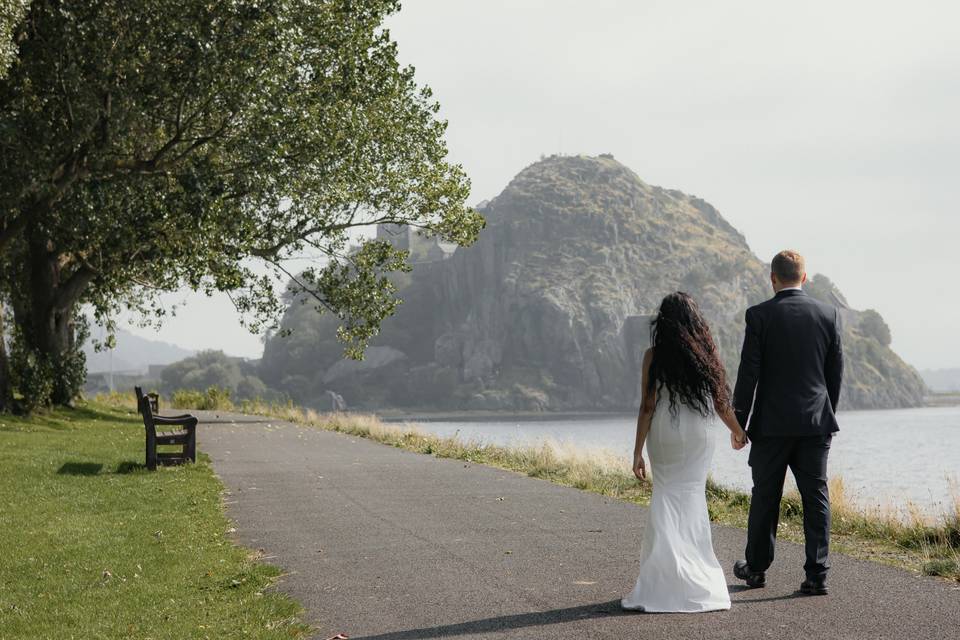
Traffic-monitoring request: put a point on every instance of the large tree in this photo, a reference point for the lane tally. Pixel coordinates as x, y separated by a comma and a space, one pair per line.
11, 16
168, 143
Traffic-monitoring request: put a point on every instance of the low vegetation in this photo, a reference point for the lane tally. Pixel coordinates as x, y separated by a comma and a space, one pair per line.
915, 542
951, 399
95, 546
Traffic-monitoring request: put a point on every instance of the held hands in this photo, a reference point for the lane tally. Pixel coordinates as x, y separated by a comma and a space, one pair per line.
738, 439
639, 467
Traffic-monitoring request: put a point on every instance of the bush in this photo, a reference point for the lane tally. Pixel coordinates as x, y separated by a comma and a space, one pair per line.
214, 369
205, 370
70, 373
40, 379
212, 398
32, 375
187, 399
252, 388
946, 567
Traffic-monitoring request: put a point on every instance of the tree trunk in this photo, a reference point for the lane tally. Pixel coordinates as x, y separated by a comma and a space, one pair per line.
6, 390
46, 321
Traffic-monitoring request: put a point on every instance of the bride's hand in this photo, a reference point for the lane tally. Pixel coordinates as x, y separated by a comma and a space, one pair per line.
738, 440
639, 468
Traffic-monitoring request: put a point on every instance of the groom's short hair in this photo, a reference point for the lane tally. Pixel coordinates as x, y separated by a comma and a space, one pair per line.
788, 266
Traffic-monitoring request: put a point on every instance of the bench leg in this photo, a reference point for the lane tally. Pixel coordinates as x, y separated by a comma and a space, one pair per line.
151, 451
191, 446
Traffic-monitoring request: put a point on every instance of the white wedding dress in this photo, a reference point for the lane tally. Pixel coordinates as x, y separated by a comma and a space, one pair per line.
678, 569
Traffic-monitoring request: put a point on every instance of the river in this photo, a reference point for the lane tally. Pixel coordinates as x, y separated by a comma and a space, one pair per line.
888, 459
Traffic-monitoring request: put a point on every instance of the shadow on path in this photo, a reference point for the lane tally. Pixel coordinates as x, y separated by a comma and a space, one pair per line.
220, 420
539, 618
739, 588
503, 623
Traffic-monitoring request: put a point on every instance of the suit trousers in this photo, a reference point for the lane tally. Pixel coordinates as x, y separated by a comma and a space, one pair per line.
806, 456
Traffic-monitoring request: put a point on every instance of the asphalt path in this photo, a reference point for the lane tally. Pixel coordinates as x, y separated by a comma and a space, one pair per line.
383, 544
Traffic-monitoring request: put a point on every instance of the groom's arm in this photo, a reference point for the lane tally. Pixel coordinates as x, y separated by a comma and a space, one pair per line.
749, 372
833, 367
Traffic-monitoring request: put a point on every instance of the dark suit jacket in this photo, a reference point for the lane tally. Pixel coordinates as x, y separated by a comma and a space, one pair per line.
790, 367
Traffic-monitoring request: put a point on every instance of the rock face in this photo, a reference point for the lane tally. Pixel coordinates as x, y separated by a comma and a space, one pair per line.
550, 309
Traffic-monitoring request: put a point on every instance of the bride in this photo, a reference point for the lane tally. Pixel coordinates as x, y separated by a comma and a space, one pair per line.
684, 392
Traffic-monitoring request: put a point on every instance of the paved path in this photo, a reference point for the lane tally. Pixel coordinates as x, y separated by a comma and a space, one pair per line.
384, 544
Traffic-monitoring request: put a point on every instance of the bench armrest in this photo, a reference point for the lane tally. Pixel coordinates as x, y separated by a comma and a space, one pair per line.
184, 420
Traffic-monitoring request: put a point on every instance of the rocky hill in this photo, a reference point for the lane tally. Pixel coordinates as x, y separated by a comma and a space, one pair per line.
132, 353
549, 310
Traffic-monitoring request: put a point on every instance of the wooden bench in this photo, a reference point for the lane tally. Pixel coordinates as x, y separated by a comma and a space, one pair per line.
154, 399
186, 436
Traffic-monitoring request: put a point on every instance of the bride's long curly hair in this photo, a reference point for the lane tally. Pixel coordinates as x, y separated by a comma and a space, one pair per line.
685, 358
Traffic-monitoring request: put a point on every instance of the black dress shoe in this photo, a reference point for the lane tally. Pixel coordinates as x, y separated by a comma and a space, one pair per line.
754, 579
812, 587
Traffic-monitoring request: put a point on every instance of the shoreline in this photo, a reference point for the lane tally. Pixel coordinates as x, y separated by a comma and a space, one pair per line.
928, 489
942, 400
480, 415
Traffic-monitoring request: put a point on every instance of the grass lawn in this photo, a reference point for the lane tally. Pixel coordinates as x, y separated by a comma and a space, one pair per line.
95, 546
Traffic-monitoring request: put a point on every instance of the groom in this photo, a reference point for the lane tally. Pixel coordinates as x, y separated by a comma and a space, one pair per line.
788, 385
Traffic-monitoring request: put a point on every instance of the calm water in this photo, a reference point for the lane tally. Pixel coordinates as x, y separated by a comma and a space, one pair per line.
886, 458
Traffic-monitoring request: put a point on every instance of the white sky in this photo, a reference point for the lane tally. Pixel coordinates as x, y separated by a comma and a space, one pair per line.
829, 127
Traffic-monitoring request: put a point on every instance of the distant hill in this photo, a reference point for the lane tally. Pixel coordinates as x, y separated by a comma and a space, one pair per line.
942, 380
549, 310
133, 353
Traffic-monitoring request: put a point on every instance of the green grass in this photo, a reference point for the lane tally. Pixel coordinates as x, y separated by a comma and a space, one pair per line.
95, 546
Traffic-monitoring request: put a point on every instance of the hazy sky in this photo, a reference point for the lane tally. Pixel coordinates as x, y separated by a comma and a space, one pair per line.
827, 127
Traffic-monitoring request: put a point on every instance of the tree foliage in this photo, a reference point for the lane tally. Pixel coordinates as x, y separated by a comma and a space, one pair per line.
185, 142
823, 289
11, 15
214, 369
874, 326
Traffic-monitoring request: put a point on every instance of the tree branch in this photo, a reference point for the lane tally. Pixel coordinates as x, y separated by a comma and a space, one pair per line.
63, 90
70, 291
303, 287
157, 164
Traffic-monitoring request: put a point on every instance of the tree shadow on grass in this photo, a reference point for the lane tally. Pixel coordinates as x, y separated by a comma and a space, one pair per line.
88, 412
79, 468
70, 419
94, 468
129, 466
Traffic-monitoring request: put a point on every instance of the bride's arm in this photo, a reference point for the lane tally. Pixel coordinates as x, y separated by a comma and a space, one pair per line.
738, 437
647, 405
